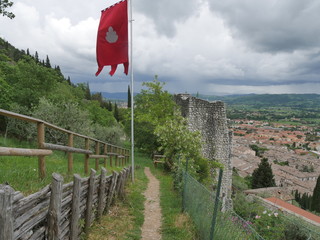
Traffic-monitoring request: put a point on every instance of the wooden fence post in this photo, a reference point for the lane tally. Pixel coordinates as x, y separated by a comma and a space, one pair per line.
74, 231
6, 212
105, 153
86, 157
128, 156
111, 150
41, 159
123, 157
102, 190
97, 153
112, 190
89, 201
116, 152
54, 216
70, 154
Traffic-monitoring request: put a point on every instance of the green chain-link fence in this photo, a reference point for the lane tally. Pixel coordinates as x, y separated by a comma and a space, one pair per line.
199, 203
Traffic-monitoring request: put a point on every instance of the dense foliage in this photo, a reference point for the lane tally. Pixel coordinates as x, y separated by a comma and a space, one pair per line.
262, 176
160, 128
30, 86
315, 205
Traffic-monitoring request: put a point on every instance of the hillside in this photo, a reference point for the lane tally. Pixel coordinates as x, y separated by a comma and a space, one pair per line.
32, 86
269, 100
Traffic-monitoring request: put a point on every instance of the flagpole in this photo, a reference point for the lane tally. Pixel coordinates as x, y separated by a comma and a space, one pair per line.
132, 93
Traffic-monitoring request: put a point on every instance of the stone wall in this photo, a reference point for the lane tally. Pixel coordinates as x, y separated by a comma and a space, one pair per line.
210, 119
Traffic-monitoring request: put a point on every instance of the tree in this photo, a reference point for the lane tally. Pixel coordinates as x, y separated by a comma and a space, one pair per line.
4, 4
153, 107
69, 82
116, 112
263, 176
5, 93
129, 97
315, 204
109, 106
36, 57
48, 64
86, 89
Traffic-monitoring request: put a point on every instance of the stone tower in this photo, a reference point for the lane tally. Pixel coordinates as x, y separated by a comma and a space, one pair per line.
209, 118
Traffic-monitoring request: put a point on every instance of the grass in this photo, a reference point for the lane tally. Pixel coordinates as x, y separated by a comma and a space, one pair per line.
125, 218
22, 172
175, 224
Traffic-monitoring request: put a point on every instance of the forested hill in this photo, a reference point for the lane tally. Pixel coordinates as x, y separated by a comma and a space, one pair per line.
269, 100
32, 86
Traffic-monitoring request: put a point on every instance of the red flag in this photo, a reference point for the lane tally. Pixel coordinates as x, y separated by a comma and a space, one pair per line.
112, 39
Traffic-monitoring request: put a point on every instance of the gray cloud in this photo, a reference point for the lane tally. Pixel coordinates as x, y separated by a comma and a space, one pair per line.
166, 13
273, 25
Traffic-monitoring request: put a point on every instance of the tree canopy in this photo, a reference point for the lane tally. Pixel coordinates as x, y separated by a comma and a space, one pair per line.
263, 176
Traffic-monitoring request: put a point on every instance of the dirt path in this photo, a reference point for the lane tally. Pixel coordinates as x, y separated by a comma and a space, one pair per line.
152, 211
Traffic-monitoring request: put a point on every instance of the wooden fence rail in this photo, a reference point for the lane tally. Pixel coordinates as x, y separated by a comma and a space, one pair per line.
59, 211
100, 152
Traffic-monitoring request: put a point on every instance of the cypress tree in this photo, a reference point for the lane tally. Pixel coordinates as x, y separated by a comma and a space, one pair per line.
87, 92
36, 57
129, 97
48, 65
69, 81
116, 112
315, 204
110, 106
263, 176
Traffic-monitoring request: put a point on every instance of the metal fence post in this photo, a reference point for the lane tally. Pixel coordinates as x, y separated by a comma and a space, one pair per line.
216, 205
184, 187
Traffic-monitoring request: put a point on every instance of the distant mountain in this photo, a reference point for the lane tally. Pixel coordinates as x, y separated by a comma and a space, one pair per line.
121, 96
269, 100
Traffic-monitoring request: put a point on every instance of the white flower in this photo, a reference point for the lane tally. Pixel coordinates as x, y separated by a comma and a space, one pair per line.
269, 215
276, 214
264, 212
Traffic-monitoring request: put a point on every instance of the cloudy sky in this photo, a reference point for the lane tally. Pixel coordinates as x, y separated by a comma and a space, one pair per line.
205, 46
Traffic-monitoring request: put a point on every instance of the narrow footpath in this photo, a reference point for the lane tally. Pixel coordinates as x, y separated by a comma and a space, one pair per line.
152, 211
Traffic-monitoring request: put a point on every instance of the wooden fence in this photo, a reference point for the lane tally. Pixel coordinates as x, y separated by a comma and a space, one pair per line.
59, 211
102, 150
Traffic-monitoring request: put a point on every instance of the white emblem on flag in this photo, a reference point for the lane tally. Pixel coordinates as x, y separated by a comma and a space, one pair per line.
111, 35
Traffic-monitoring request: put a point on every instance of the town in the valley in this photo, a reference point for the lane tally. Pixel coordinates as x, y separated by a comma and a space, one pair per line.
293, 152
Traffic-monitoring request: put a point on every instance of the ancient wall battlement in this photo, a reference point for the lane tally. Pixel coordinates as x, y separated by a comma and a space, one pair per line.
210, 119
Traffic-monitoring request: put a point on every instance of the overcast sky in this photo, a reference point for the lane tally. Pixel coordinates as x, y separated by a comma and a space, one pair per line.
206, 46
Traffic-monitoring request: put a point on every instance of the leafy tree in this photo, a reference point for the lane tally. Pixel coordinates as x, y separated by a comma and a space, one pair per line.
5, 93
98, 97
315, 205
67, 115
99, 115
153, 107
4, 4
177, 141
259, 150
32, 82
263, 176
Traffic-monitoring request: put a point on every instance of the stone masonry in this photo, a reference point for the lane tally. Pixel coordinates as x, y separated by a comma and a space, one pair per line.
209, 118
